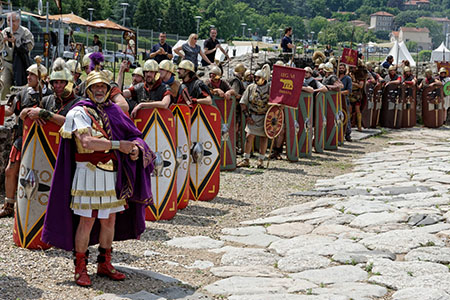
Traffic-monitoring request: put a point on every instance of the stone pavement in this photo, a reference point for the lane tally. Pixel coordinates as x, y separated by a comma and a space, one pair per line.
379, 231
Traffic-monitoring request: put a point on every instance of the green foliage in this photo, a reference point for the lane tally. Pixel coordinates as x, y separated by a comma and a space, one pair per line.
412, 46
382, 35
425, 55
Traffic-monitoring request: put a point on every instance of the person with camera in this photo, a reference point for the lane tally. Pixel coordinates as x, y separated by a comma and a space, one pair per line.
18, 42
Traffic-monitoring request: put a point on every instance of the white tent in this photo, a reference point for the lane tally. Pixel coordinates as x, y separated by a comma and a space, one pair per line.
440, 54
400, 53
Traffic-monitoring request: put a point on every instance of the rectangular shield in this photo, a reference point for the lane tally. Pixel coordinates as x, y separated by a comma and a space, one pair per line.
320, 122
305, 121
433, 113
332, 116
409, 105
392, 106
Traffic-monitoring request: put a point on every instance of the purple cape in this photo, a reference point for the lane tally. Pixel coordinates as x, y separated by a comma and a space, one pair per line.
133, 184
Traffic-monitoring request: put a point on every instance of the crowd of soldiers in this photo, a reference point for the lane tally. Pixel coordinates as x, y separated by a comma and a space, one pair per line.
107, 170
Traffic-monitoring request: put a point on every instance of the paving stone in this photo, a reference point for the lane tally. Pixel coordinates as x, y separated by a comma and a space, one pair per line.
301, 261
370, 219
334, 230
201, 264
309, 194
249, 257
359, 207
354, 290
420, 293
246, 271
299, 242
287, 297
361, 256
435, 281
142, 295
258, 239
400, 241
301, 286
401, 274
435, 228
433, 254
195, 242
424, 220
290, 230
404, 190
243, 231
332, 275
238, 285
158, 276
320, 213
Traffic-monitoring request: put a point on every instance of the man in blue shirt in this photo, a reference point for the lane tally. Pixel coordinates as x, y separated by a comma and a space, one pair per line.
162, 50
286, 42
388, 62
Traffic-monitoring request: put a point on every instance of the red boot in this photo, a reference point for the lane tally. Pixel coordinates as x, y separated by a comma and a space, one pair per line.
81, 275
104, 267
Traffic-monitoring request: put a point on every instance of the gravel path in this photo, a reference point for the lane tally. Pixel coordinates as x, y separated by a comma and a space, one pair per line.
245, 194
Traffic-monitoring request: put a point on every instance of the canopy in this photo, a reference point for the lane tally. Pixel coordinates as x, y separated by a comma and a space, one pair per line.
441, 53
108, 24
71, 19
400, 53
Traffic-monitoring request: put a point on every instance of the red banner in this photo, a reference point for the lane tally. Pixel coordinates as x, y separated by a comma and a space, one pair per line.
349, 57
286, 85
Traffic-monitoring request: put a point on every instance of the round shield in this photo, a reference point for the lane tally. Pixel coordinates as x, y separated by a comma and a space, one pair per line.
274, 120
447, 88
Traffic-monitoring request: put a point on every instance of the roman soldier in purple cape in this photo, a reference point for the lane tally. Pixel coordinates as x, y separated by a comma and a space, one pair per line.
101, 183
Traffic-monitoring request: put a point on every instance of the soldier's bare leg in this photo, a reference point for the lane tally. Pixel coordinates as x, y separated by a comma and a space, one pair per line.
247, 150
83, 233
263, 141
107, 231
358, 117
11, 178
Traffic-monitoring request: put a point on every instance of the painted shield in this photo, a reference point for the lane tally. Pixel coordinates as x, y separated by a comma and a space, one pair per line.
342, 112
182, 117
433, 107
204, 169
292, 129
371, 112
333, 120
409, 105
39, 151
227, 110
240, 122
158, 129
392, 106
305, 121
320, 123
274, 121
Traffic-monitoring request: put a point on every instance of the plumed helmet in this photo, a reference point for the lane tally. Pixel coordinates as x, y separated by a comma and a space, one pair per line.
138, 71
167, 65
150, 65
97, 77
406, 69
328, 68
428, 72
321, 66
72, 64
264, 72
240, 68
279, 63
309, 70
86, 60
108, 74
34, 70
392, 68
187, 65
60, 71
443, 70
318, 57
216, 71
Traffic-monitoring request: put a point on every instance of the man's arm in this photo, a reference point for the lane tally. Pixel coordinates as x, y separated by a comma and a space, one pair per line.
120, 100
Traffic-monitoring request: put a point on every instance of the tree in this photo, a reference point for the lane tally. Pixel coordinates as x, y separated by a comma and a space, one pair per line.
435, 30
317, 24
412, 46
147, 13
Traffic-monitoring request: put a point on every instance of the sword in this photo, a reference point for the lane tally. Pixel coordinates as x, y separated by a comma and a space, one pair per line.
38, 61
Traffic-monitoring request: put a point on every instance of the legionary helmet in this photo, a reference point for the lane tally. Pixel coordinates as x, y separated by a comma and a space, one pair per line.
428, 72
406, 69
333, 61
392, 68
150, 65
263, 73
247, 74
138, 71
97, 77
321, 66
72, 64
279, 63
187, 65
86, 60
167, 65
318, 57
216, 71
240, 68
60, 71
328, 68
34, 70
309, 70
443, 70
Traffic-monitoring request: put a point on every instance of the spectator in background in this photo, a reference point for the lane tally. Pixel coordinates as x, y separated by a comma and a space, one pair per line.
191, 51
211, 45
18, 42
162, 50
97, 43
286, 42
388, 62
328, 51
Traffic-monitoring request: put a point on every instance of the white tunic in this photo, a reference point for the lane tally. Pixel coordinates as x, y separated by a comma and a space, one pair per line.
92, 188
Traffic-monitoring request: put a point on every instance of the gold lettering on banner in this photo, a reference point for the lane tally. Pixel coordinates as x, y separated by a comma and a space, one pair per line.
213, 190
56, 135
214, 115
287, 84
171, 121
173, 207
